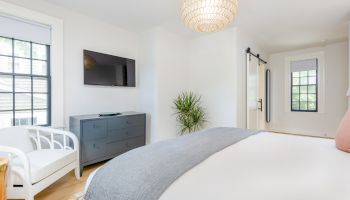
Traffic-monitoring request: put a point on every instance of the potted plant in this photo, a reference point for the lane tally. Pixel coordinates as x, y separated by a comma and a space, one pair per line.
189, 113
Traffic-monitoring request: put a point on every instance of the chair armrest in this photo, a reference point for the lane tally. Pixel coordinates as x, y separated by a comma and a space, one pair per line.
22, 157
53, 132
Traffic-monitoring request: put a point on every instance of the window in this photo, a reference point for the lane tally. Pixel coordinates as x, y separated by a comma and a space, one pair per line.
24, 83
304, 86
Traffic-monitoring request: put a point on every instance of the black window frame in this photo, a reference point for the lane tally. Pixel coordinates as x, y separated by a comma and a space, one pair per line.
32, 77
307, 85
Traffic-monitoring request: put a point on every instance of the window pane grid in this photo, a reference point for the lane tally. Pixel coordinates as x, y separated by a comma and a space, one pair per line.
26, 75
304, 91
24, 83
10, 56
35, 109
31, 81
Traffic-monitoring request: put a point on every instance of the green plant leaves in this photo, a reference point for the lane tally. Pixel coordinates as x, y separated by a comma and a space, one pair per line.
189, 113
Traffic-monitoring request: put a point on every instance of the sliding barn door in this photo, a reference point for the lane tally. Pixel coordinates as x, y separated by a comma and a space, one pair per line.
255, 93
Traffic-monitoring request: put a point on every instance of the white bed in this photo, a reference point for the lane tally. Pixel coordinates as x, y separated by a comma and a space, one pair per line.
268, 166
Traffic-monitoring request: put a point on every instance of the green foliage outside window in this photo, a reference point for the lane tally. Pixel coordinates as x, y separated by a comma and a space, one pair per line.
304, 91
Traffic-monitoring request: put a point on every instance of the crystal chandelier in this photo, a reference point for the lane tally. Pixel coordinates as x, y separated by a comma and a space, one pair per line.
208, 15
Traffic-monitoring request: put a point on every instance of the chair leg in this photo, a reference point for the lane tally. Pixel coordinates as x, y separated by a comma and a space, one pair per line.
77, 173
28, 191
29, 197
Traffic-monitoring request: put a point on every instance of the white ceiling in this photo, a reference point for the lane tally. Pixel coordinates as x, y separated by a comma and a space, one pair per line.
276, 25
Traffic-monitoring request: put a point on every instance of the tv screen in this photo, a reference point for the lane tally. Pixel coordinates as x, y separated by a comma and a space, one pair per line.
103, 69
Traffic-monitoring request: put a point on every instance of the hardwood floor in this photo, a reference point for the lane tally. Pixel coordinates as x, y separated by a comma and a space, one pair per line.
67, 188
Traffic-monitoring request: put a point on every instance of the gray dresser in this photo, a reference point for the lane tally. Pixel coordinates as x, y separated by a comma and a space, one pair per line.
103, 138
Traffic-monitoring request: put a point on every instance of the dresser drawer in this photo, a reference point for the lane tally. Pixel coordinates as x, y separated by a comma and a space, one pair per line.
125, 122
119, 147
93, 150
94, 129
103, 138
126, 133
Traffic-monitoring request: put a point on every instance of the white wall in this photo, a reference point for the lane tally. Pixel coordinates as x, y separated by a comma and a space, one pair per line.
217, 64
212, 66
82, 32
325, 122
212, 74
147, 80
164, 70
172, 71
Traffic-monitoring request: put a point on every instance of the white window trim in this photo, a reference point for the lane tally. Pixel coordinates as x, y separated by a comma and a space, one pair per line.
320, 80
56, 57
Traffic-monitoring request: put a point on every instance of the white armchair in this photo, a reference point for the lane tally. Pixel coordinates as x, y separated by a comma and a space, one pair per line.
38, 156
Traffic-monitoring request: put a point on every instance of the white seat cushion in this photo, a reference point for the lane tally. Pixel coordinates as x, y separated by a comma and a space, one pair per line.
43, 163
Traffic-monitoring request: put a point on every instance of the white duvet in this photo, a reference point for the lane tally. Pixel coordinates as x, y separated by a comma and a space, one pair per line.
268, 166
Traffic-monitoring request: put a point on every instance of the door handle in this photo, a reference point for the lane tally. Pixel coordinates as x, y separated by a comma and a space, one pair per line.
260, 106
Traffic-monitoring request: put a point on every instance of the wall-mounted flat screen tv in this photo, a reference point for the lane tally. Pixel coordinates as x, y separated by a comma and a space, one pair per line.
103, 69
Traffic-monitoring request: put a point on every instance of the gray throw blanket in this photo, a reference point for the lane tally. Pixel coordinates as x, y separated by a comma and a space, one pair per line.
146, 172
